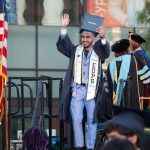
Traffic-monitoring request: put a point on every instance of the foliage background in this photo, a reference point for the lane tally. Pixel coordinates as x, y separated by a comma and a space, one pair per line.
144, 19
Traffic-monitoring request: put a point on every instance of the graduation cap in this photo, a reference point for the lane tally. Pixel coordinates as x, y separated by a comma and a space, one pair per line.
143, 114
137, 38
120, 46
91, 23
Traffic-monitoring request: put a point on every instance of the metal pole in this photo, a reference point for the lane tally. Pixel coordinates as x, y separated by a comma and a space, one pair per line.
6, 118
50, 110
61, 123
134, 29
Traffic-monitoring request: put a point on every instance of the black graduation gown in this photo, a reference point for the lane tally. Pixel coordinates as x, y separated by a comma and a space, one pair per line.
130, 96
142, 61
66, 47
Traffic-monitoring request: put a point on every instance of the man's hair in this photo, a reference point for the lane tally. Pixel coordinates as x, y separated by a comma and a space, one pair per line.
118, 144
94, 33
122, 53
121, 130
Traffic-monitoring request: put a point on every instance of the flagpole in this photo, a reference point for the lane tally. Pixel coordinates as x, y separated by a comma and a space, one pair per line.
4, 88
6, 118
3, 7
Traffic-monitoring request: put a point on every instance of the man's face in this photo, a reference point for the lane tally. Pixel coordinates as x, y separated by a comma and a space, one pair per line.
133, 45
115, 134
87, 39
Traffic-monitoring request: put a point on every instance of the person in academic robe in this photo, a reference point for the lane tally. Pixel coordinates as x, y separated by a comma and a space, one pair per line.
142, 58
123, 81
83, 81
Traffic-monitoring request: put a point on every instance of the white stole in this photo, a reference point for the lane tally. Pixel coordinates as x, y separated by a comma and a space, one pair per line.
93, 71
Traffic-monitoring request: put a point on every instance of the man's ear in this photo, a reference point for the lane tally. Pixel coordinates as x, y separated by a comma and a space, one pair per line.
133, 139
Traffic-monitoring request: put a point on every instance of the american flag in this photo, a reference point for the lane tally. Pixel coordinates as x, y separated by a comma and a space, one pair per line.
3, 51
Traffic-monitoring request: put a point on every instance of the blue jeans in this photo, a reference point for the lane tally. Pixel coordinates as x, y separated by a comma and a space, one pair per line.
76, 108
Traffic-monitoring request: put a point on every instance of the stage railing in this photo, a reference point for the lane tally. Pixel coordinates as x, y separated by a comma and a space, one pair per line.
25, 91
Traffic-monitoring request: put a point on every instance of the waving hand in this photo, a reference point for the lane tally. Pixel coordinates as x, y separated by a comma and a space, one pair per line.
65, 21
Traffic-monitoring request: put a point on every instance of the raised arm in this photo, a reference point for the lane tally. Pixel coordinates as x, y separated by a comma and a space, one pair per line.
65, 21
102, 47
64, 44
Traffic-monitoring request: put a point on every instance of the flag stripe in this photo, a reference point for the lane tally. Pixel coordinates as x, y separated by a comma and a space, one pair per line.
3, 45
4, 60
4, 70
1, 34
3, 50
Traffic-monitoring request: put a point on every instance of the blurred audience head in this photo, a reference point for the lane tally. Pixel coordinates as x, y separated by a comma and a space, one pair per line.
118, 144
35, 138
126, 126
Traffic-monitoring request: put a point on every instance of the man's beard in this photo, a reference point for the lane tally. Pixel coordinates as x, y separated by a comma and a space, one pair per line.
88, 46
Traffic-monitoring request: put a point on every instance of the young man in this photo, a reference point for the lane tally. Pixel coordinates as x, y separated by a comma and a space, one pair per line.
83, 82
125, 126
128, 124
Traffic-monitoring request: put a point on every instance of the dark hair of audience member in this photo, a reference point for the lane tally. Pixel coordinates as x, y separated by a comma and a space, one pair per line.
118, 144
35, 138
121, 130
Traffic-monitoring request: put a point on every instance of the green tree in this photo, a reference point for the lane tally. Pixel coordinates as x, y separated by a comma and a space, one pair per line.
143, 18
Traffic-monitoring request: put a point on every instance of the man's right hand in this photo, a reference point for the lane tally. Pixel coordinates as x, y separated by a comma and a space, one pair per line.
65, 21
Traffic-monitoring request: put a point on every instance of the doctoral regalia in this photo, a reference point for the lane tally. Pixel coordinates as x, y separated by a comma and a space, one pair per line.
143, 59
131, 87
